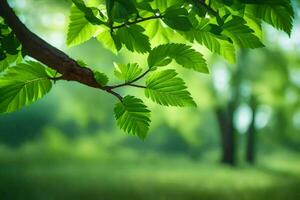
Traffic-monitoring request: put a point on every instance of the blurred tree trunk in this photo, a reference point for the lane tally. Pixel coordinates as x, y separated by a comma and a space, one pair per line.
227, 131
225, 114
251, 134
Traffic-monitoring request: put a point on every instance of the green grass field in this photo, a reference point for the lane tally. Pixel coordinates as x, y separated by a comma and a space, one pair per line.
275, 177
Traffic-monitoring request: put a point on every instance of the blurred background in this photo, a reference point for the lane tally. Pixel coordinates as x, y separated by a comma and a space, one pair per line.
241, 142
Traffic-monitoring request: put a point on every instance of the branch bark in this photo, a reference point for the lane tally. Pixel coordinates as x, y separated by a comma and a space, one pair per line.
42, 51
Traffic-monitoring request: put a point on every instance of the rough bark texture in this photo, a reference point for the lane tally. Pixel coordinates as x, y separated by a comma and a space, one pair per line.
42, 51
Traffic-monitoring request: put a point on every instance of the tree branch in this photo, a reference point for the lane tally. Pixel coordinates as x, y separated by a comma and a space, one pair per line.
42, 51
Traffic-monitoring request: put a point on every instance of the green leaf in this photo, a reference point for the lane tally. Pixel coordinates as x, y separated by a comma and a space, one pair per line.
127, 72
9, 61
198, 8
255, 24
100, 77
109, 6
116, 41
79, 30
177, 18
105, 38
23, 84
163, 5
183, 54
3, 65
145, 5
120, 11
158, 32
164, 62
132, 116
241, 35
215, 43
278, 13
165, 88
88, 12
134, 39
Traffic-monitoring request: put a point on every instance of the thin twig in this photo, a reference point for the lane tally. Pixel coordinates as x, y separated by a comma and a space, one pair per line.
138, 86
115, 94
137, 21
130, 82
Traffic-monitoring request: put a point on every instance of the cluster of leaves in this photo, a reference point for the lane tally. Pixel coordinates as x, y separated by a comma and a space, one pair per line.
162, 30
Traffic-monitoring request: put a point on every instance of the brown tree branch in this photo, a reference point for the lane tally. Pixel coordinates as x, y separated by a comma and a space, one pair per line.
42, 51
